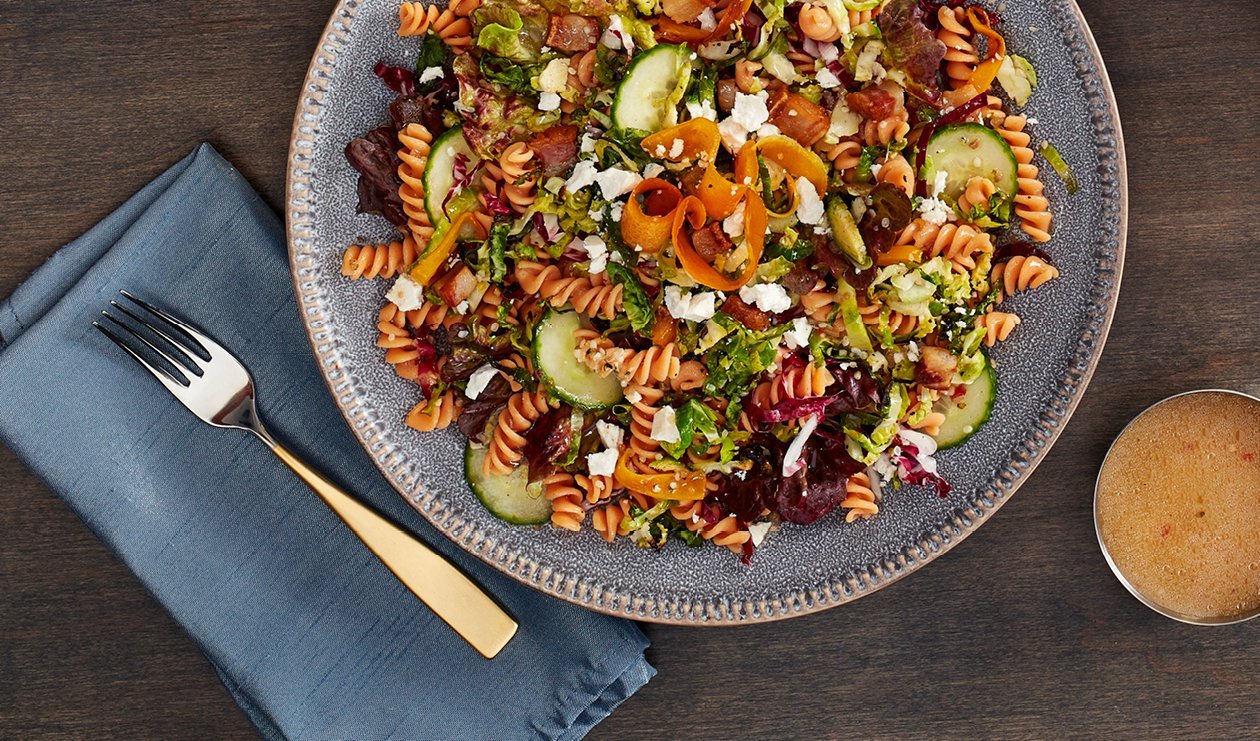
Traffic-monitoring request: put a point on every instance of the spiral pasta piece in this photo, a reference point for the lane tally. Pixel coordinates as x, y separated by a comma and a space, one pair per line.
977, 195
416, 141
562, 491
435, 414
998, 326
582, 71
656, 364
859, 498
508, 440
1022, 273
1031, 206
606, 520
885, 131
961, 56
844, 154
724, 532
746, 76
899, 173
691, 375
584, 294
816, 23
415, 19
646, 403
378, 260
959, 243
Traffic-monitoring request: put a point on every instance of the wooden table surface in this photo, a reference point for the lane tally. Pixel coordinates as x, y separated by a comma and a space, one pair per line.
1020, 631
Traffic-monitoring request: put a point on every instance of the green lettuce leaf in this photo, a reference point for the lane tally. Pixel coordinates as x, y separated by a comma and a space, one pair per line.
634, 299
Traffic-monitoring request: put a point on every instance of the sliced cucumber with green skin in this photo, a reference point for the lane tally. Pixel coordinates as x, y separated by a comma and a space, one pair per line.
505, 496
965, 151
439, 173
968, 413
555, 357
647, 99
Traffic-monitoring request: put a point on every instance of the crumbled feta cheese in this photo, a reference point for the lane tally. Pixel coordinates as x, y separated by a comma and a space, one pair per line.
616, 182
614, 211
733, 225
555, 76
828, 52
769, 297
827, 79
792, 458
798, 335
693, 307
461, 308
603, 463
707, 20
597, 249
733, 134
938, 185
548, 101
809, 208
913, 352
768, 129
750, 111
676, 148
596, 213
406, 294
479, 379
935, 211
876, 168
633, 396
587, 144
431, 73
610, 434
703, 109
665, 425
757, 531
844, 121
652, 169
583, 176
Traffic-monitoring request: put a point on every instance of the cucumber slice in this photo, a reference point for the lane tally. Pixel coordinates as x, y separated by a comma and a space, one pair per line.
555, 347
439, 173
965, 151
505, 496
647, 99
966, 415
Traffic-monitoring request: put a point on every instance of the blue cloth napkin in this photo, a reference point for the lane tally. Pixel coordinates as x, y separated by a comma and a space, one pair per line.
311, 634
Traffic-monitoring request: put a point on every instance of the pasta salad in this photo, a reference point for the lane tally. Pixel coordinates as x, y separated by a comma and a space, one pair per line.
690, 269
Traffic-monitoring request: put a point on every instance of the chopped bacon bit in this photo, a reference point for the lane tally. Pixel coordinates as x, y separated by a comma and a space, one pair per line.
572, 33
556, 148
457, 285
936, 368
798, 117
749, 316
872, 103
665, 330
711, 241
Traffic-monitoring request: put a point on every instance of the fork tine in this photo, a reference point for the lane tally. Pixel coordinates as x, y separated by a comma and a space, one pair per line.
148, 343
186, 362
171, 383
198, 339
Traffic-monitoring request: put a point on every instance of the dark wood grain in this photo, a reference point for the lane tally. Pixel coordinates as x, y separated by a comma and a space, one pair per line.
1020, 631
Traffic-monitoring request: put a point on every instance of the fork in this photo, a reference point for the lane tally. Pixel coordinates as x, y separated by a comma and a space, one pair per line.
216, 387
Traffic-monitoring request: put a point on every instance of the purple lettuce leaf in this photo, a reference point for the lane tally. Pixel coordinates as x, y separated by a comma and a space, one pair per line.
472, 420
399, 79
912, 47
373, 155
548, 440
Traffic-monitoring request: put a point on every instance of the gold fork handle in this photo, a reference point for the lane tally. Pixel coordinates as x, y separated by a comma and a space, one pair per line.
454, 597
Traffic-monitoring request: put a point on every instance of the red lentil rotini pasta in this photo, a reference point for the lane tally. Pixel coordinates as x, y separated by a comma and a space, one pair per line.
664, 318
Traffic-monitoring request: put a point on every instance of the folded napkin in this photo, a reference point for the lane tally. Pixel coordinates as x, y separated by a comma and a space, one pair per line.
313, 636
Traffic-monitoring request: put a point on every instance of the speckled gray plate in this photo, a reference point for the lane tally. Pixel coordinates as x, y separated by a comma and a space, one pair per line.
1043, 369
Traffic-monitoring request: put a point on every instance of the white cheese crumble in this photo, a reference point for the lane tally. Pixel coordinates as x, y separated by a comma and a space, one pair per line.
798, 335
587, 144
616, 182
603, 463
827, 79
548, 101
703, 109
693, 307
707, 20
653, 169
583, 176
597, 249
938, 185
750, 111
758, 532
769, 297
610, 434
431, 73
733, 135
676, 148
935, 211
633, 396
479, 379
461, 308
768, 129
665, 425
555, 76
733, 225
614, 211
809, 208
406, 294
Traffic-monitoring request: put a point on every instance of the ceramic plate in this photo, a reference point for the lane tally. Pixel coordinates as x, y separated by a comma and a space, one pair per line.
1042, 370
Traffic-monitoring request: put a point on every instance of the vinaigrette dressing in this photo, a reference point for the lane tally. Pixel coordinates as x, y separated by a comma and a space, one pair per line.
1178, 504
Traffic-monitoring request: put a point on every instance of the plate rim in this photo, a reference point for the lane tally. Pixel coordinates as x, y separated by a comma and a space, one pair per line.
680, 610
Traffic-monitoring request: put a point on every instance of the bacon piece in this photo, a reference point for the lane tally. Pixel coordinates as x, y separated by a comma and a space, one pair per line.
457, 286
711, 241
572, 33
936, 368
872, 103
798, 116
556, 148
749, 316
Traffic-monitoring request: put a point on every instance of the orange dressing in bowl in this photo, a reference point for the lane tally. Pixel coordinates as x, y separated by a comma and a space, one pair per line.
1178, 505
